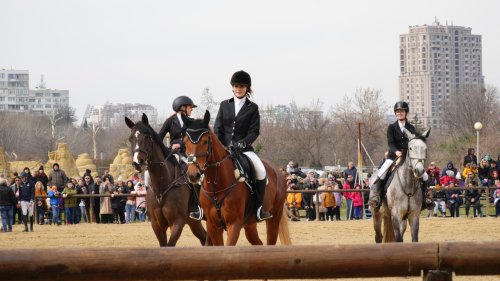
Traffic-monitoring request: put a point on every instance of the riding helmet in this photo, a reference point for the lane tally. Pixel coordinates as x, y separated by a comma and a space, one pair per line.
241, 78
401, 105
180, 101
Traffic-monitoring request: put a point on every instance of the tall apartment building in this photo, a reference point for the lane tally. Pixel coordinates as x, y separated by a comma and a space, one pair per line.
436, 62
111, 115
15, 95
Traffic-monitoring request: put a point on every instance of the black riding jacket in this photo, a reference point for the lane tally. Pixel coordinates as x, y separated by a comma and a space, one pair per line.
397, 140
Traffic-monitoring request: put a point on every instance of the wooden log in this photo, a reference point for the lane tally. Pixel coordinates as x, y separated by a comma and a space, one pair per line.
257, 262
470, 258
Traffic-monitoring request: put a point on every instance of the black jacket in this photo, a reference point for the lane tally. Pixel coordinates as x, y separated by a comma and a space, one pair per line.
397, 140
177, 132
243, 128
7, 196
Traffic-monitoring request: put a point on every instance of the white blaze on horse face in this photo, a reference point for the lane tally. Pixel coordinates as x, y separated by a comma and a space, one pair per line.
136, 152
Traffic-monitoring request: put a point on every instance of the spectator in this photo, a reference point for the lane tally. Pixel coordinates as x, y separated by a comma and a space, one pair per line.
27, 200
470, 157
448, 178
54, 204
81, 189
472, 197
328, 200
349, 184
433, 170
466, 170
294, 200
290, 168
106, 210
7, 203
494, 166
108, 176
70, 200
93, 188
316, 197
130, 203
17, 207
115, 202
439, 201
307, 199
88, 173
449, 167
41, 203
140, 202
40, 176
123, 188
454, 200
497, 198
351, 170
483, 172
357, 201
57, 177
338, 201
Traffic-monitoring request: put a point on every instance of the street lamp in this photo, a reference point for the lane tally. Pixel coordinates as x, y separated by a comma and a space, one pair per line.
478, 126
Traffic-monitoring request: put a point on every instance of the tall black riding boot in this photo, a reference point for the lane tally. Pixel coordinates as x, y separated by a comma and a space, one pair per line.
31, 223
25, 221
376, 193
196, 210
260, 191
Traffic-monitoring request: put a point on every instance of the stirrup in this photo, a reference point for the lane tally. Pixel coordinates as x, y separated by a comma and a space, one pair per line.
265, 215
198, 214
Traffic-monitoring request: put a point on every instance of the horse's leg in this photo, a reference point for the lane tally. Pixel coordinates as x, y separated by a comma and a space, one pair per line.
233, 233
160, 226
377, 224
176, 230
252, 234
272, 228
215, 234
414, 221
397, 225
198, 230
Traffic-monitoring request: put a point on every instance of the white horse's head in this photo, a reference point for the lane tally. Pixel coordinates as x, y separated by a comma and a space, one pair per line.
417, 152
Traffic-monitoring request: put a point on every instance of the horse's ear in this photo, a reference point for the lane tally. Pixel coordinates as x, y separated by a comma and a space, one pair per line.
408, 134
145, 119
427, 133
206, 118
129, 122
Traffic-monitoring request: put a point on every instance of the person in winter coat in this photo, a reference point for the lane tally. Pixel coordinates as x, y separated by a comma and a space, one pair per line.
42, 177
449, 167
54, 196
57, 177
70, 202
470, 157
7, 203
41, 203
472, 197
357, 202
328, 201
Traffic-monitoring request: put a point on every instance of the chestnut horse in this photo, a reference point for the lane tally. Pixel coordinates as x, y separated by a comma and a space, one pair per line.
168, 194
226, 200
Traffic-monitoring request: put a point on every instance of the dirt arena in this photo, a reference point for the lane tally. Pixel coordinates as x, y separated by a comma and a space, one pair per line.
302, 232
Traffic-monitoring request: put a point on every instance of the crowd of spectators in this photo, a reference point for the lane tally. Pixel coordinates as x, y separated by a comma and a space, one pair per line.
450, 189
52, 198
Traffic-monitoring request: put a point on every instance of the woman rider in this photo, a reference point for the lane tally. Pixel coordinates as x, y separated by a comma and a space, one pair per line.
174, 125
398, 146
238, 125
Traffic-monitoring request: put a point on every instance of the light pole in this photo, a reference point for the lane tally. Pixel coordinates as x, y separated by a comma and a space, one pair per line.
478, 126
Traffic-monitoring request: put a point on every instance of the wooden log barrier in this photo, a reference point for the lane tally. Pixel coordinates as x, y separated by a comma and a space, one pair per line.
257, 262
465, 258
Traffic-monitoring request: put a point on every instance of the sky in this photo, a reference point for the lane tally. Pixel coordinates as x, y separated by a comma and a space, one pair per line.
296, 51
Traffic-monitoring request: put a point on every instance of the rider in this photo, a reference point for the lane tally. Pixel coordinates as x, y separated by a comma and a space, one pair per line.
238, 125
398, 146
182, 105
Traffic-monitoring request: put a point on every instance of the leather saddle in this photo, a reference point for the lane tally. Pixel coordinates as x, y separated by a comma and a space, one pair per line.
244, 170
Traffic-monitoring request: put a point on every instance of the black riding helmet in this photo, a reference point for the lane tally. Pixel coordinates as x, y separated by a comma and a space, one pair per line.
241, 78
401, 105
180, 101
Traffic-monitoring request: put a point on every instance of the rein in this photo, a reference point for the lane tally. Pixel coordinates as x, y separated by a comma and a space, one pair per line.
416, 181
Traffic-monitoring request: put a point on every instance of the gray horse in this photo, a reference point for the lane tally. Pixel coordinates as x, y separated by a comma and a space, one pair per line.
403, 200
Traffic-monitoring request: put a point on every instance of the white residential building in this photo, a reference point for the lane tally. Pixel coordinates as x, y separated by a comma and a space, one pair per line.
112, 115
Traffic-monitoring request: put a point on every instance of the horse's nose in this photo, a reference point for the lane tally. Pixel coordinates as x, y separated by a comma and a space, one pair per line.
194, 178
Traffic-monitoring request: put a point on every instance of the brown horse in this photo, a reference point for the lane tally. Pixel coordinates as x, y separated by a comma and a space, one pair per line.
225, 199
168, 194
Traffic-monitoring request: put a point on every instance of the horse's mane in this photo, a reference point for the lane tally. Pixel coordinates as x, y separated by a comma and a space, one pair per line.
147, 129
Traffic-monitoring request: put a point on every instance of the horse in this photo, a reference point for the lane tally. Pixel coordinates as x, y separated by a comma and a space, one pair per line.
225, 198
168, 195
403, 201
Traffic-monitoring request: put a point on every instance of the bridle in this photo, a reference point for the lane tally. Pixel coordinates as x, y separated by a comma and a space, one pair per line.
147, 161
413, 154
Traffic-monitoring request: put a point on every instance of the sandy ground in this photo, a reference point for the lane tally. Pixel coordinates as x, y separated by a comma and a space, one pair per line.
302, 232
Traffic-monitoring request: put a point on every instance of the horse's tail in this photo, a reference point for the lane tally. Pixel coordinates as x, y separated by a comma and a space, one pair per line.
284, 231
388, 228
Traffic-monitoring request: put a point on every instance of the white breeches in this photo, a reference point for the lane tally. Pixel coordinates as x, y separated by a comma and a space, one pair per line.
260, 170
26, 208
383, 170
